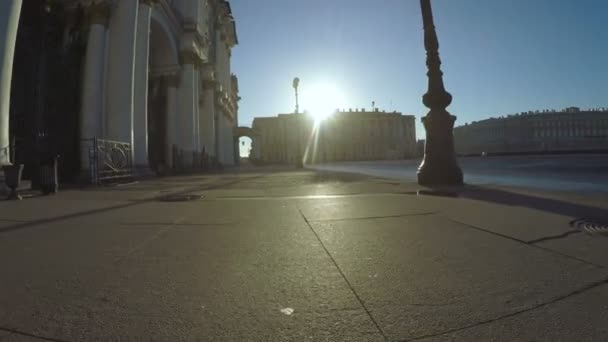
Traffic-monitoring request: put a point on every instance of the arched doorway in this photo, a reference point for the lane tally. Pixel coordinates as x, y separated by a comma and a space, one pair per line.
45, 87
245, 143
251, 138
163, 66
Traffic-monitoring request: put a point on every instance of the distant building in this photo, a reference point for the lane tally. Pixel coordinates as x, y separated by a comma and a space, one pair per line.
569, 130
420, 148
344, 136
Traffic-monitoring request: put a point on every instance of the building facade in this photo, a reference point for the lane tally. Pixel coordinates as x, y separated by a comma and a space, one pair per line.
153, 75
568, 130
344, 136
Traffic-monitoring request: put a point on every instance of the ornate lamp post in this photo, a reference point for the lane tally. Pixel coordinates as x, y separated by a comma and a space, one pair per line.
296, 84
439, 166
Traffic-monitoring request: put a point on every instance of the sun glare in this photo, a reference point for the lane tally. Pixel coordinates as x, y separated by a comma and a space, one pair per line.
322, 100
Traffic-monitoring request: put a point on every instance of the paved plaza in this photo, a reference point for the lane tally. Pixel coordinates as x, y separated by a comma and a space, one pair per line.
286, 255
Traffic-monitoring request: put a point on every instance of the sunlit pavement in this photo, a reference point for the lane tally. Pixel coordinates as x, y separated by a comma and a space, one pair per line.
300, 256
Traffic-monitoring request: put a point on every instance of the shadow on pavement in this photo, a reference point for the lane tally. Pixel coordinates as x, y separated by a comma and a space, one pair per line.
534, 202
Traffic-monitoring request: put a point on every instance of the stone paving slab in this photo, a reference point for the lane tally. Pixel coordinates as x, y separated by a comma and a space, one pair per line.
517, 222
357, 207
20, 338
41, 208
225, 283
391, 266
207, 212
592, 248
421, 276
579, 317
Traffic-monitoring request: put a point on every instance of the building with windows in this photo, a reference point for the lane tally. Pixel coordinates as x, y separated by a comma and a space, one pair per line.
344, 136
568, 130
153, 75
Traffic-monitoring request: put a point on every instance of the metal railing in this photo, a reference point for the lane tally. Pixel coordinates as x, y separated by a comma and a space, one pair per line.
184, 161
109, 160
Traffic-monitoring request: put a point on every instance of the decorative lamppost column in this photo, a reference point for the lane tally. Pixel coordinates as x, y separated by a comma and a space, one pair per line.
439, 166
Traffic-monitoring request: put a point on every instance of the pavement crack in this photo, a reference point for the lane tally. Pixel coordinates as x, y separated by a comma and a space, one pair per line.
527, 243
573, 293
350, 286
554, 237
26, 334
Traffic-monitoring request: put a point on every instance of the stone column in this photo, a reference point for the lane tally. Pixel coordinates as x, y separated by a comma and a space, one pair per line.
121, 71
217, 120
91, 110
10, 10
188, 104
229, 132
172, 82
207, 120
140, 113
197, 114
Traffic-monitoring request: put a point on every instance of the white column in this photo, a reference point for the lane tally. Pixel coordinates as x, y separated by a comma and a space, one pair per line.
91, 110
221, 134
188, 108
121, 71
142, 60
172, 110
197, 114
229, 142
10, 10
207, 121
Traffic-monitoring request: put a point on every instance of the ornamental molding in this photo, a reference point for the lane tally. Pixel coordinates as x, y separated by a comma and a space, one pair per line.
189, 57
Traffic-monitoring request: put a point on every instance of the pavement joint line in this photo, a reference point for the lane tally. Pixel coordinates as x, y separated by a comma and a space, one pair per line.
150, 238
573, 293
378, 217
526, 243
180, 224
22, 333
369, 314
128, 204
306, 197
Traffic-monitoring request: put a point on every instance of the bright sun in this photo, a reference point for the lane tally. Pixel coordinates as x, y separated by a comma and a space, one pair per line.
322, 100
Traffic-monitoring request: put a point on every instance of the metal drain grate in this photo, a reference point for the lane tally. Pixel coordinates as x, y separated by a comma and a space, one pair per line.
590, 226
180, 198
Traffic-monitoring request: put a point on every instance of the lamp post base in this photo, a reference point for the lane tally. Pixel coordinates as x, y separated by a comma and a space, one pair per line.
439, 173
439, 166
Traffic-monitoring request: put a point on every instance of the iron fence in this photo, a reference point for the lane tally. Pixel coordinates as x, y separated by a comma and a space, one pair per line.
109, 160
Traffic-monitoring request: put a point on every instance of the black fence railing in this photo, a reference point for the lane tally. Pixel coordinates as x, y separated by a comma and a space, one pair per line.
184, 161
108, 160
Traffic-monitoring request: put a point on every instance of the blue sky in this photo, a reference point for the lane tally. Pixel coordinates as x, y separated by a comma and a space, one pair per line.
499, 56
